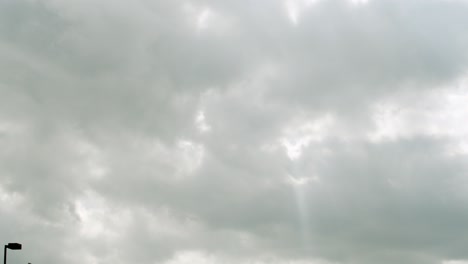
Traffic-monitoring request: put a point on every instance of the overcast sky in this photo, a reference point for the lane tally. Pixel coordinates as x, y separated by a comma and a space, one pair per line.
234, 131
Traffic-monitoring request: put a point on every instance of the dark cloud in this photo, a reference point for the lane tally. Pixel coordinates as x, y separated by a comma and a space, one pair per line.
233, 131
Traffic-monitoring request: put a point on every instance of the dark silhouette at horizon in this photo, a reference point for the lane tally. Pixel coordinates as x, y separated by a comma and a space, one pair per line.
12, 246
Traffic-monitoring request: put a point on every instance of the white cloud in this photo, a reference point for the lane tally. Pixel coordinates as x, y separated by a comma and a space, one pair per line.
201, 122
195, 257
454, 262
298, 137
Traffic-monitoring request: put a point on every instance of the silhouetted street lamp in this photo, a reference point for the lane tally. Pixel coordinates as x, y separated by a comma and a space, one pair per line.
12, 246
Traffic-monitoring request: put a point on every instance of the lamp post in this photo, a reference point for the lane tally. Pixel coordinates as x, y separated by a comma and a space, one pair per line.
12, 246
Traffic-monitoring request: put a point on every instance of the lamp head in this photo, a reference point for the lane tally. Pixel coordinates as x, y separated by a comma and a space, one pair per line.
14, 246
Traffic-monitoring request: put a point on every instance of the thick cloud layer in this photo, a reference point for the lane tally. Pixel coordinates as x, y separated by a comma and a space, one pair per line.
197, 131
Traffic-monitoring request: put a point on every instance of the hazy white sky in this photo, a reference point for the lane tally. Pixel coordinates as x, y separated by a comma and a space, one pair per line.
234, 131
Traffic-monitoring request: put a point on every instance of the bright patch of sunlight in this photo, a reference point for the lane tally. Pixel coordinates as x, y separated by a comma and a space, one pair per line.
450, 118
297, 137
97, 218
442, 113
388, 121
191, 257
201, 123
10, 201
293, 12
199, 16
203, 18
359, 2
295, 8
299, 181
455, 262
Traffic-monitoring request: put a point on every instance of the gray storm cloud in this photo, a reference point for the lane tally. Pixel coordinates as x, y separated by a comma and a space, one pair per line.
203, 132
